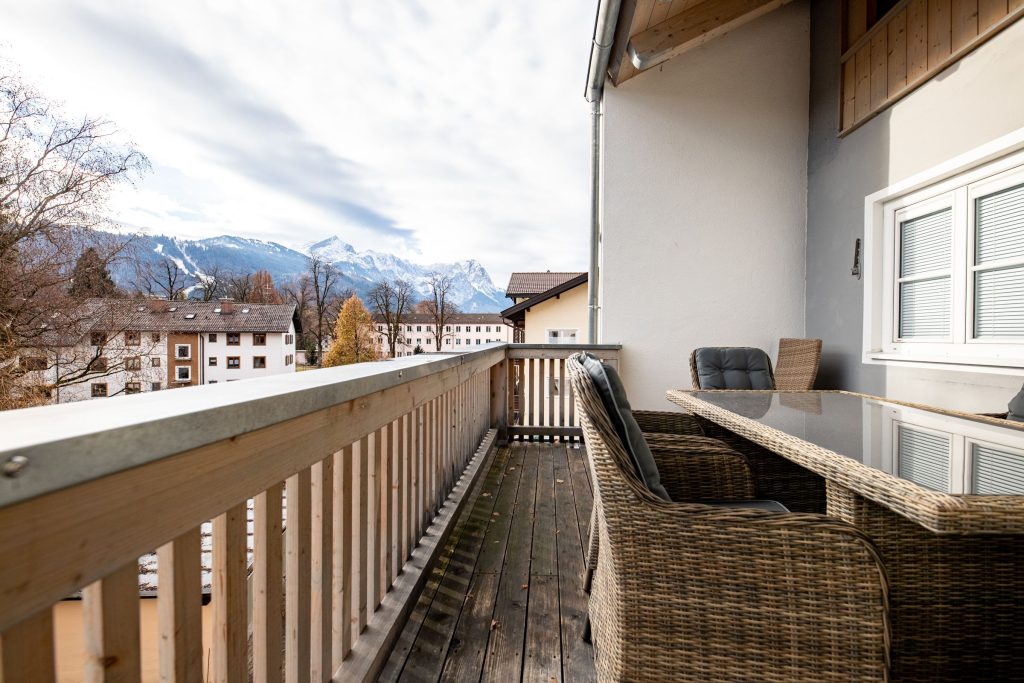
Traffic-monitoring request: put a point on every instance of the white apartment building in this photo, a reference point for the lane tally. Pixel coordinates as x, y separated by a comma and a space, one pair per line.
462, 332
130, 346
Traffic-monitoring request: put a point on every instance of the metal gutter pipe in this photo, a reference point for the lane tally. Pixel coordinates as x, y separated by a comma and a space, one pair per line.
600, 53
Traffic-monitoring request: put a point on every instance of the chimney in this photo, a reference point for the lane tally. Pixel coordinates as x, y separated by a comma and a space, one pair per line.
227, 306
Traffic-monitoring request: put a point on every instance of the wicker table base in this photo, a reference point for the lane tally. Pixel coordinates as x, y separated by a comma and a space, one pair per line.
956, 601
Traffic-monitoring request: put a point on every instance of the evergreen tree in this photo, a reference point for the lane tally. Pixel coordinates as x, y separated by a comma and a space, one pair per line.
90, 277
355, 340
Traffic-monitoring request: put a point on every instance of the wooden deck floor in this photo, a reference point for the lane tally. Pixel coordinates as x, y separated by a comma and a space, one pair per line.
505, 600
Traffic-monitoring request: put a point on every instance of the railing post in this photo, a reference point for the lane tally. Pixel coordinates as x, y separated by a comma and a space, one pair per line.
499, 399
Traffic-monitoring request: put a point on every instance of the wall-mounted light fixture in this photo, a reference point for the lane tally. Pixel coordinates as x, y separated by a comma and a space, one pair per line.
855, 271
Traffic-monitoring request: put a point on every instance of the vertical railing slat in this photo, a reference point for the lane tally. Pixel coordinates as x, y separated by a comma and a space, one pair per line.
26, 650
179, 619
362, 531
391, 488
377, 480
267, 568
110, 616
321, 568
229, 597
297, 578
341, 629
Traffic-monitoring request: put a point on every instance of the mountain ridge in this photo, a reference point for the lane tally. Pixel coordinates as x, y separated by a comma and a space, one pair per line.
473, 289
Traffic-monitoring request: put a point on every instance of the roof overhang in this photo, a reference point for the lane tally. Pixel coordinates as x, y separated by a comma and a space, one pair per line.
518, 311
650, 32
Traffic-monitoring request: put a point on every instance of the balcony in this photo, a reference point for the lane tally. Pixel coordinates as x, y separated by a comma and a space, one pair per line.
361, 522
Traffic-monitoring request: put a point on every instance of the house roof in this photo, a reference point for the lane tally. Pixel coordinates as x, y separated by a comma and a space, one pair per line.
155, 315
519, 310
454, 319
532, 283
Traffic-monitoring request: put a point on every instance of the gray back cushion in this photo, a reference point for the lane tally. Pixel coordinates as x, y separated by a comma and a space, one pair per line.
613, 396
735, 367
1016, 407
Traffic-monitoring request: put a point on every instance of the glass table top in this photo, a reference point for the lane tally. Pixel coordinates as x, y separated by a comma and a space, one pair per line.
935, 450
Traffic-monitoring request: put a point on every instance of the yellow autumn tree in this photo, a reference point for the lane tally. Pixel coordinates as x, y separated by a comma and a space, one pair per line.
354, 338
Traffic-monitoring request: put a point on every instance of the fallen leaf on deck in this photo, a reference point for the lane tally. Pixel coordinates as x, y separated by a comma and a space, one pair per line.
495, 625
525, 586
559, 481
485, 494
495, 514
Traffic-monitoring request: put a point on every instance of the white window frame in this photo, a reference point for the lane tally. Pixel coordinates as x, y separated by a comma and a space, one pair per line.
177, 356
575, 331
957, 182
188, 372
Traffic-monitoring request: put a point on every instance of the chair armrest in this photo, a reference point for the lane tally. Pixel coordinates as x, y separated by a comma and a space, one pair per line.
666, 422
696, 468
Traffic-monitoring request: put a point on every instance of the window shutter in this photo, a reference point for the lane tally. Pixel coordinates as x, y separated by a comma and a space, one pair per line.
999, 237
996, 472
924, 458
926, 250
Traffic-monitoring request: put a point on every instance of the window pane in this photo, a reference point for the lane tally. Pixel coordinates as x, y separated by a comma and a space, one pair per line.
999, 302
926, 243
925, 308
996, 472
1000, 225
924, 458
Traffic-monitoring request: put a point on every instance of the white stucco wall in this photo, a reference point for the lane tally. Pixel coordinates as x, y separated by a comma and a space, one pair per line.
975, 101
704, 202
275, 351
567, 312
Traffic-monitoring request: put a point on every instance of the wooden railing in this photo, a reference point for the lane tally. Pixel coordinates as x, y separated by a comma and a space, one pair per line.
540, 398
323, 497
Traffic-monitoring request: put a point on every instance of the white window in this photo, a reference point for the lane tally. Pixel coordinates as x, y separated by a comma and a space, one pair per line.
950, 271
183, 352
562, 336
183, 373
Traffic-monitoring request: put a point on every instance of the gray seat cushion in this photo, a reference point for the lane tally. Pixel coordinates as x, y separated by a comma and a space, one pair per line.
613, 396
1016, 407
733, 368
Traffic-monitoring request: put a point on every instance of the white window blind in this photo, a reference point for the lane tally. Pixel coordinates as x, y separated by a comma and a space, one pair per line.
999, 264
996, 472
924, 457
925, 274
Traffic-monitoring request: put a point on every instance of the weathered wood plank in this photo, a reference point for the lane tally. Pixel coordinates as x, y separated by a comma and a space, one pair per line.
341, 624
110, 615
361, 566
577, 655
465, 659
582, 491
179, 619
297, 578
26, 650
267, 573
542, 660
376, 535
321, 569
492, 555
544, 553
897, 54
229, 596
505, 649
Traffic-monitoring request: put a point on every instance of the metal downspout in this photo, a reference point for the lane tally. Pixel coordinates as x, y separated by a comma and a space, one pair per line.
600, 53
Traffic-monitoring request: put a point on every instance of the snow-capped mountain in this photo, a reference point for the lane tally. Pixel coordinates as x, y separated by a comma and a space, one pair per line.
473, 289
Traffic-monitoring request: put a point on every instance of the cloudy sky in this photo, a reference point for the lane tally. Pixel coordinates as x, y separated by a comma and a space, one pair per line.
433, 129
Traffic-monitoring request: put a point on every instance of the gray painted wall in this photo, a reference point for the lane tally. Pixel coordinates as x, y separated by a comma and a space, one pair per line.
976, 100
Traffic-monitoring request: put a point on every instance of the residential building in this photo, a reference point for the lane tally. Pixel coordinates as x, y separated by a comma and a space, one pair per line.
130, 346
549, 308
783, 162
462, 331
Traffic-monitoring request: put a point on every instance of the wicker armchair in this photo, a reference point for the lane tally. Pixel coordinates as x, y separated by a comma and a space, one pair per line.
688, 592
798, 363
666, 422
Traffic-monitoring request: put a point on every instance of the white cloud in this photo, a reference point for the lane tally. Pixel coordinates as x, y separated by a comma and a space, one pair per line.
437, 130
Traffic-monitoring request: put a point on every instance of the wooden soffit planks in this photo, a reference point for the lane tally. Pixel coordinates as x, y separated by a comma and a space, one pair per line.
686, 26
